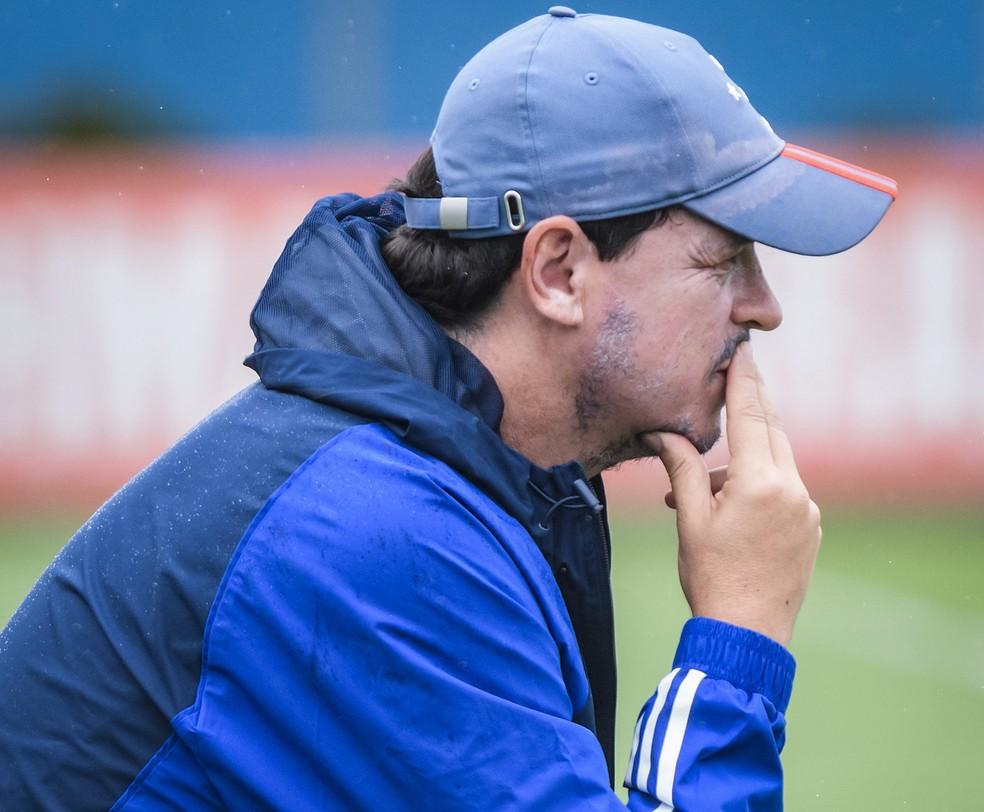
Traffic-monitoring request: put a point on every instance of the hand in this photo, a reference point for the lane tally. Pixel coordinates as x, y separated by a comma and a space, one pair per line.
747, 546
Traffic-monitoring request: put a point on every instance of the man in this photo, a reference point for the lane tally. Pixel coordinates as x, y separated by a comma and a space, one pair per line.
379, 578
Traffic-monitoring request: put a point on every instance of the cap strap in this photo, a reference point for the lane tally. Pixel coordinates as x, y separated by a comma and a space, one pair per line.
452, 213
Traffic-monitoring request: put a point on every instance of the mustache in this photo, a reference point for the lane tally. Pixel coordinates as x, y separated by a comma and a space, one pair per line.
730, 346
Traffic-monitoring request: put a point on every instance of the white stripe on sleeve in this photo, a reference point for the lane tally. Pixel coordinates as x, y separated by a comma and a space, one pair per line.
646, 745
635, 747
673, 740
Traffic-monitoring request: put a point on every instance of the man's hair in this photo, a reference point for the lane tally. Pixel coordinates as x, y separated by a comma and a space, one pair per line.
458, 280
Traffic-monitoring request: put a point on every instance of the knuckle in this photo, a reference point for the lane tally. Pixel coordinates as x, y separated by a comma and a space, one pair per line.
796, 491
757, 485
815, 515
790, 493
801, 499
777, 489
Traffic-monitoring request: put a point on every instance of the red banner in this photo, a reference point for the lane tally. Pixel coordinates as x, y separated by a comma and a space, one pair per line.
127, 279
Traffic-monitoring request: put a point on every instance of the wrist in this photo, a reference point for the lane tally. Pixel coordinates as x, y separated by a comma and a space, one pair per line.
749, 660
778, 632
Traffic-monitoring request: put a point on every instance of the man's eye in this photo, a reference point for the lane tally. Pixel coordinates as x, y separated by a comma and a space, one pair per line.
722, 270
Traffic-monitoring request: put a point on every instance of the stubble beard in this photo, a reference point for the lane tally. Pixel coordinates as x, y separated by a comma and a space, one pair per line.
611, 364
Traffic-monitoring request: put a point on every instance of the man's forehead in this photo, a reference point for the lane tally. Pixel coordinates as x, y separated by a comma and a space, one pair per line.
709, 237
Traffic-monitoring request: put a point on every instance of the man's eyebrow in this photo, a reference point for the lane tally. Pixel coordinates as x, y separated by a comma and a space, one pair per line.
721, 246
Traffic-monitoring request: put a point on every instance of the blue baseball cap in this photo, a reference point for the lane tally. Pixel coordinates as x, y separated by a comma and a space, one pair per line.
594, 117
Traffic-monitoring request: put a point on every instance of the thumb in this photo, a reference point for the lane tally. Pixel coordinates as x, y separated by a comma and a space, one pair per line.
689, 478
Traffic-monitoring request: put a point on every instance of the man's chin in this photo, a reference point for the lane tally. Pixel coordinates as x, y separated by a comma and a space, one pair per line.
703, 441
635, 448
706, 442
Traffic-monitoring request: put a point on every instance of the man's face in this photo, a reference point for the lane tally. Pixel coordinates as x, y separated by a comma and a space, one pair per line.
666, 318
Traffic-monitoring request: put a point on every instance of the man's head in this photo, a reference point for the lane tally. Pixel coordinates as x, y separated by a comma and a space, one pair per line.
610, 329
585, 223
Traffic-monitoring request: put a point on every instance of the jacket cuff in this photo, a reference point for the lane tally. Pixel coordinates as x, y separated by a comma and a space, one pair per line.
748, 660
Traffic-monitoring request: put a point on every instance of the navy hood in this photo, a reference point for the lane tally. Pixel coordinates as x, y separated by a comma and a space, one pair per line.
332, 293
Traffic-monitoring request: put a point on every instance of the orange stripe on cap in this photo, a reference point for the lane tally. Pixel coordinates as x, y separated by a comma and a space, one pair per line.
858, 174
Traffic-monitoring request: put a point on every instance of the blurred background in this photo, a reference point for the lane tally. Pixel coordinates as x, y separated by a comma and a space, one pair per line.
155, 157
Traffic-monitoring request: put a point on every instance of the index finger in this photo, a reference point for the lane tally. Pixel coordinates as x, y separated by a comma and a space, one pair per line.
782, 451
748, 424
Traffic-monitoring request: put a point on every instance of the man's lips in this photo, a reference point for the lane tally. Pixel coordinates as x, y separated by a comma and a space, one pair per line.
728, 352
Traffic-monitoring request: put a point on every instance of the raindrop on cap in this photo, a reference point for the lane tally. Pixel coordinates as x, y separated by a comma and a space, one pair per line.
474, 83
669, 45
591, 78
561, 11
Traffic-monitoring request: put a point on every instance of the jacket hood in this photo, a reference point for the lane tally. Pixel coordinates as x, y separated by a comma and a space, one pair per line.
331, 292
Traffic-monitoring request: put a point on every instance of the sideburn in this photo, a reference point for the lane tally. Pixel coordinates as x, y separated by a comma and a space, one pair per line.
611, 360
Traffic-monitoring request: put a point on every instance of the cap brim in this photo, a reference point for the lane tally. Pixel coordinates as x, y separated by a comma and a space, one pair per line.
803, 201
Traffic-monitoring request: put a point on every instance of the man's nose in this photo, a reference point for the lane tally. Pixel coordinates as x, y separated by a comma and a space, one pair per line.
756, 306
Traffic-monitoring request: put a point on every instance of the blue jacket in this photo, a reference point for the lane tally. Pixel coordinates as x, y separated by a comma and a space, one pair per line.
341, 590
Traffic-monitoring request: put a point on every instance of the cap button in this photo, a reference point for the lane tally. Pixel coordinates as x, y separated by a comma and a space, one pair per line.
561, 11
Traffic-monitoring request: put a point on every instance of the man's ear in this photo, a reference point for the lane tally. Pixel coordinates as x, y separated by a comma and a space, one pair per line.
556, 254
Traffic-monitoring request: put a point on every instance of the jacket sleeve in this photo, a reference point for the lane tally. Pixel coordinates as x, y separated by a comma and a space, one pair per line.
373, 652
710, 737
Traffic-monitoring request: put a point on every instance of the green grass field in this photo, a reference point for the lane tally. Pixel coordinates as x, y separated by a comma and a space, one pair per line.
888, 707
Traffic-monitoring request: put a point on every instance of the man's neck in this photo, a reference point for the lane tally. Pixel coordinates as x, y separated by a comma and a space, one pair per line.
538, 419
